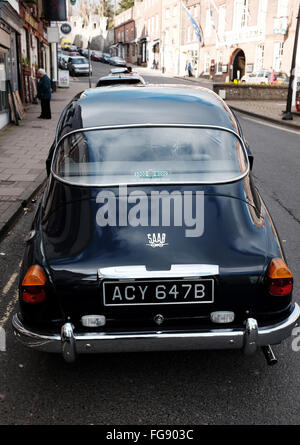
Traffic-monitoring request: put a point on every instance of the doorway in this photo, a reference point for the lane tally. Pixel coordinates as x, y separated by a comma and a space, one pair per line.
238, 65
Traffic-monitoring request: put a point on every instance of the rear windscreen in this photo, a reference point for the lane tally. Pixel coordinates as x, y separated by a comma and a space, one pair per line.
127, 81
79, 60
152, 154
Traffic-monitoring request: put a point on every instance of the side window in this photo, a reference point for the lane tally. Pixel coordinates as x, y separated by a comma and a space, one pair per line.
256, 197
60, 124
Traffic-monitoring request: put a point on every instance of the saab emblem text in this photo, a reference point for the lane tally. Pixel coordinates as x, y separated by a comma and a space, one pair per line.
157, 240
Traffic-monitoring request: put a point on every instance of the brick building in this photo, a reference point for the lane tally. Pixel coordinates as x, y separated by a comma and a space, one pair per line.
238, 36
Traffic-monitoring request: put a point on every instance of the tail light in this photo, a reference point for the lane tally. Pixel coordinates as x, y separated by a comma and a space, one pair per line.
33, 285
280, 278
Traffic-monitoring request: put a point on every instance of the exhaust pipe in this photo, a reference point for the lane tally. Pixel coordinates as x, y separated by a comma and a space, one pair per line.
269, 355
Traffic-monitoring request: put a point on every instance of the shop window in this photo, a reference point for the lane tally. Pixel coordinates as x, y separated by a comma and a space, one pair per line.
3, 92
219, 62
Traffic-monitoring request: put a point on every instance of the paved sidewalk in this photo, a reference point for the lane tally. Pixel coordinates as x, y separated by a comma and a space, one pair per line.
269, 110
23, 151
265, 109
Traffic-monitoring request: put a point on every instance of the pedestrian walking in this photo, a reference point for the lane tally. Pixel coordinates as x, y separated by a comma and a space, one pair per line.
273, 78
44, 93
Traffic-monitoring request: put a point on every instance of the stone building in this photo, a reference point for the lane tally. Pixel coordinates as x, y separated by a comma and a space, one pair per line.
237, 36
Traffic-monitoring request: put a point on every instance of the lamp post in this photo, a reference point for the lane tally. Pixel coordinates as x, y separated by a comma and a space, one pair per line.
89, 55
287, 116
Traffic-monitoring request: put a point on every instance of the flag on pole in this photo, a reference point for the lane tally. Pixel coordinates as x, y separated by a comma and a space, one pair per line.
196, 27
213, 23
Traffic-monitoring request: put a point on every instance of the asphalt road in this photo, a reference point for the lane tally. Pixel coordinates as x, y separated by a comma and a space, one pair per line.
221, 387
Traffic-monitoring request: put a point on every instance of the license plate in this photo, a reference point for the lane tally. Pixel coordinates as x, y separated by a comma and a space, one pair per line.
122, 293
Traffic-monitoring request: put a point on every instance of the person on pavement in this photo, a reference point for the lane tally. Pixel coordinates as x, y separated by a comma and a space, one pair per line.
44, 93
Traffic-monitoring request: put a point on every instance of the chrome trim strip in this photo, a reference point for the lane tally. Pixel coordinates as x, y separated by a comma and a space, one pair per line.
176, 271
149, 125
158, 340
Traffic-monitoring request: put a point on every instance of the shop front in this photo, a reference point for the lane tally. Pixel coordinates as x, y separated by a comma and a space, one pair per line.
10, 63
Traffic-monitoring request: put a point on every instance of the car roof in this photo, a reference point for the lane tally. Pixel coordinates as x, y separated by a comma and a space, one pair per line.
151, 104
125, 76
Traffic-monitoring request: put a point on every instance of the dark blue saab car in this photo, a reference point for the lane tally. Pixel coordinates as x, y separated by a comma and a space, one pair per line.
151, 234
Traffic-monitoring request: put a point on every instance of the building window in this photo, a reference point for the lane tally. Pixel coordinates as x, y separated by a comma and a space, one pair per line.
175, 11
282, 8
3, 77
189, 34
222, 20
174, 37
126, 35
259, 59
278, 54
133, 50
241, 13
208, 23
95, 25
167, 36
244, 16
131, 34
219, 62
206, 63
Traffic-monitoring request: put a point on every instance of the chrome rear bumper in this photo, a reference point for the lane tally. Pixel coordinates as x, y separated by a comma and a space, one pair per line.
70, 343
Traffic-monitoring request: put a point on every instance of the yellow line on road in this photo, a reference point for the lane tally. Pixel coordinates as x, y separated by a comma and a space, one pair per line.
13, 301
9, 284
9, 309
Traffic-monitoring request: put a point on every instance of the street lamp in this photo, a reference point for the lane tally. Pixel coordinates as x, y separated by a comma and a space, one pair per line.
89, 59
288, 115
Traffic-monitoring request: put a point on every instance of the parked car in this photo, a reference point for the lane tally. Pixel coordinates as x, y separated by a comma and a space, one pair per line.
74, 53
96, 56
105, 58
62, 61
73, 48
78, 65
123, 77
282, 78
117, 61
258, 77
151, 234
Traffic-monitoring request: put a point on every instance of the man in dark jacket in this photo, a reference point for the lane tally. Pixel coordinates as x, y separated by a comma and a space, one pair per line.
44, 94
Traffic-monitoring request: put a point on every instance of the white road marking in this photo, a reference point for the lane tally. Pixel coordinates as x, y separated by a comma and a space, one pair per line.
278, 127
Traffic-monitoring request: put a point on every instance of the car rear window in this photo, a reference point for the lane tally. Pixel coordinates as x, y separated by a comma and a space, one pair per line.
78, 60
150, 155
119, 81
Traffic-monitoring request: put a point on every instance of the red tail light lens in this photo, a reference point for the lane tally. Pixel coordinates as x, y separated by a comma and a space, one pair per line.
33, 285
280, 278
